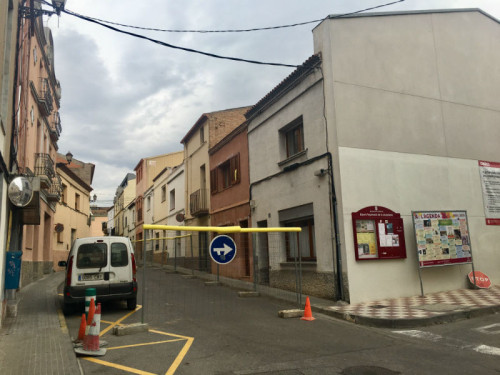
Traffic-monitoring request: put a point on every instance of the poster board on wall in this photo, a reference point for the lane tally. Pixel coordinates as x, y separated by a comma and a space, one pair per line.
490, 182
442, 238
378, 234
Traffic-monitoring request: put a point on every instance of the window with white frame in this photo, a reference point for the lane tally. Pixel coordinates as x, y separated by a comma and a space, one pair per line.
172, 199
163, 193
299, 244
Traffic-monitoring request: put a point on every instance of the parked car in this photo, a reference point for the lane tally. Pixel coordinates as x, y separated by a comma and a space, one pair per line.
104, 263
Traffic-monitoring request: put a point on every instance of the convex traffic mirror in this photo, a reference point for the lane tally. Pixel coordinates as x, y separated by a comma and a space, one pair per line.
20, 191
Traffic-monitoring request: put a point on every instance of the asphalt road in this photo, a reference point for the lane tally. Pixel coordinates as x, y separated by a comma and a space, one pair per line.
199, 329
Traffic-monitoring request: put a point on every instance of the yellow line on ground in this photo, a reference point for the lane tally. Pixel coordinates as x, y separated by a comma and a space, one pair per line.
119, 320
180, 357
120, 367
110, 322
62, 321
144, 344
170, 334
182, 353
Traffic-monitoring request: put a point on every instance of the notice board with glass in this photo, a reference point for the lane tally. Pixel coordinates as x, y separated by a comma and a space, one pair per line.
442, 238
378, 234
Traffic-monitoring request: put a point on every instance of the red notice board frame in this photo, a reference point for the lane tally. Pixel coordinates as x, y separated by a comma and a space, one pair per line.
378, 234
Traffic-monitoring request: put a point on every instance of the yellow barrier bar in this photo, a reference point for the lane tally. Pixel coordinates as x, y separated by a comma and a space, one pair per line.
193, 229
163, 238
233, 229
275, 229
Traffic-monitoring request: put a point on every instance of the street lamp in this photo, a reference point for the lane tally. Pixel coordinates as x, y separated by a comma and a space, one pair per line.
69, 157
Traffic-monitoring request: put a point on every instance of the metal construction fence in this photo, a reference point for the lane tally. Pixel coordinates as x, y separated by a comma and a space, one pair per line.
266, 260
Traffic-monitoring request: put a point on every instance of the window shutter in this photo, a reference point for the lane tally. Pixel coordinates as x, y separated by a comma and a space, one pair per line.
235, 169
213, 181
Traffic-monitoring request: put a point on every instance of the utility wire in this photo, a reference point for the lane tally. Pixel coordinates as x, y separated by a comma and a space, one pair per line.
103, 24
241, 30
177, 47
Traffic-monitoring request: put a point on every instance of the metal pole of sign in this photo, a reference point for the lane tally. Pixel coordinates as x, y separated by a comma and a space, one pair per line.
192, 256
144, 275
418, 256
300, 270
175, 254
470, 245
255, 265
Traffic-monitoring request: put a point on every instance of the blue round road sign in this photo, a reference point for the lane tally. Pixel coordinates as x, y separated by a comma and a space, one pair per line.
222, 249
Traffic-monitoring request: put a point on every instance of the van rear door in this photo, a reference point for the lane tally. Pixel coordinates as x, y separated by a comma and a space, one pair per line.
92, 266
120, 275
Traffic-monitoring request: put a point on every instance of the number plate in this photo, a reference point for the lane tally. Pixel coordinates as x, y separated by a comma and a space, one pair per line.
92, 276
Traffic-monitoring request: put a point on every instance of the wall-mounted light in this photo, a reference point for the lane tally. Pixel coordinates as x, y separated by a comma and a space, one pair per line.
69, 157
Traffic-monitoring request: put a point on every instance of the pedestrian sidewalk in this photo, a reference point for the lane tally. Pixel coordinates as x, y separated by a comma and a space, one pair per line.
432, 308
36, 341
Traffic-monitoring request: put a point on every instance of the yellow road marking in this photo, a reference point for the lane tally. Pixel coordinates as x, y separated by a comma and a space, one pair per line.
120, 367
119, 320
173, 367
143, 344
180, 356
62, 321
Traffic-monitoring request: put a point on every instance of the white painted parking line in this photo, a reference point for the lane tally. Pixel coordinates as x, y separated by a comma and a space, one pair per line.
492, 329
485, 349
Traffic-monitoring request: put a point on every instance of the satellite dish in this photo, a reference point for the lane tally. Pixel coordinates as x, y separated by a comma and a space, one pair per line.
179, 217
20, 191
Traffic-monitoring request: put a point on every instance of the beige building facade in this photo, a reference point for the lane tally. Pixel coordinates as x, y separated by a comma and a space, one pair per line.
73, 218
146, 170
204, 134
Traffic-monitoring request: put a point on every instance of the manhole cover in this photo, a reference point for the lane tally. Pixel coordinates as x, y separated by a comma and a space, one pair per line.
368, 370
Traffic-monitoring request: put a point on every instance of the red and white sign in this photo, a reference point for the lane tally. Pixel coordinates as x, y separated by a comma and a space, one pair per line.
490, 181
482, 281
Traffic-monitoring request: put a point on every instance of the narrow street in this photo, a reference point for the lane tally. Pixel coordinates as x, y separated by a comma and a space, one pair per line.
199, 329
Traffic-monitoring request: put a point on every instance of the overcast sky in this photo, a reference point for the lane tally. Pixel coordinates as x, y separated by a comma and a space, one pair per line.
125, 98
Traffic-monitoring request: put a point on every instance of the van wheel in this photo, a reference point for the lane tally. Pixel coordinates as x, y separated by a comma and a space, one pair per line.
132, 303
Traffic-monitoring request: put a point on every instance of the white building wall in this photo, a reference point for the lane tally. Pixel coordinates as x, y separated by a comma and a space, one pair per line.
176, 182
413, 107
274, 189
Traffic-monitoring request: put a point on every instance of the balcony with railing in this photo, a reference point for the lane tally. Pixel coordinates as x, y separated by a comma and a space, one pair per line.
55, 190
43, 96
198, 202
55, 127
44, 168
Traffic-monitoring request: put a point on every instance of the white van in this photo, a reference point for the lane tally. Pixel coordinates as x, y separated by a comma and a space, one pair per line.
104, 263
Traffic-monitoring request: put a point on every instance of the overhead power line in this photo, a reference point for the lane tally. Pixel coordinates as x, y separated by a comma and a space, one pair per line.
108, 26
240, 30
174, 46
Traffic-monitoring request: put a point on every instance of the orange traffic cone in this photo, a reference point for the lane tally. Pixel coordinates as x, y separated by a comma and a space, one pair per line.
83, 326
307, 311
91, 312
91, 345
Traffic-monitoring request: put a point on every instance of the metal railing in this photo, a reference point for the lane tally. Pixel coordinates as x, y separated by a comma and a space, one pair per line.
55, 189
44, 166
198, 202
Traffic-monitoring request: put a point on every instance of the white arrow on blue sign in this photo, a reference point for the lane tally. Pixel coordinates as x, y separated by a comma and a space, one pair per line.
222, 249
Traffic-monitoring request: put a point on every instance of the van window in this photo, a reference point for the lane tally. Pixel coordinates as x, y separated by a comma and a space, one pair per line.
92, 255
119, 255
